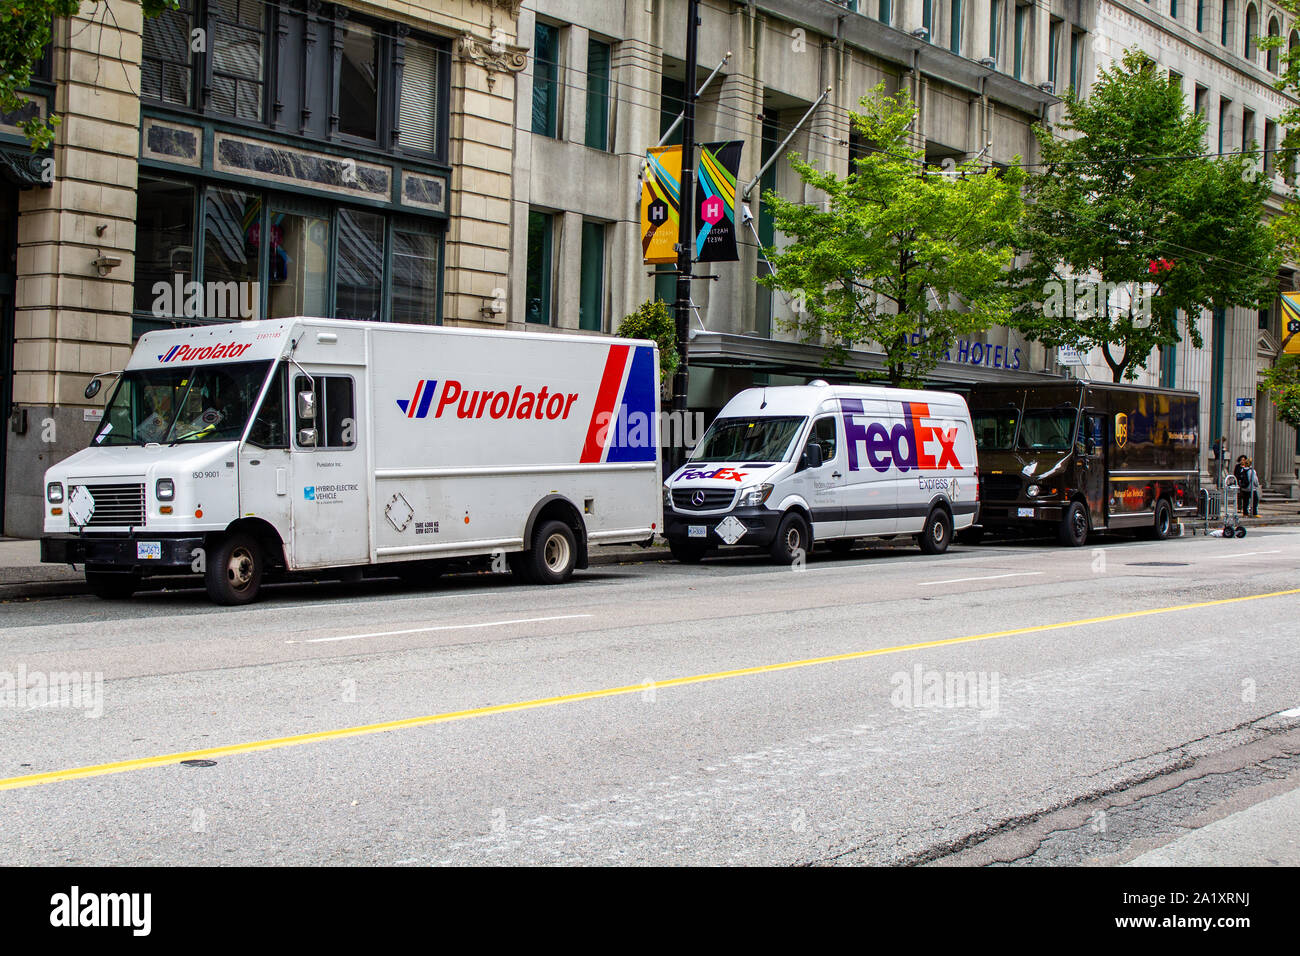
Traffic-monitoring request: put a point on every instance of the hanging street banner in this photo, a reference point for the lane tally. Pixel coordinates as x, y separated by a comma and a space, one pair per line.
1291, 323
715, 202
660, 203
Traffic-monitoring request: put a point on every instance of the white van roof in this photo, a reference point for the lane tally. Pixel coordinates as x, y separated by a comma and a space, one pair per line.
810, 399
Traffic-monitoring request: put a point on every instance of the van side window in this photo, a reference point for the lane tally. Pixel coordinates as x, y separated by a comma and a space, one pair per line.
335, 421
823, 433
269, 427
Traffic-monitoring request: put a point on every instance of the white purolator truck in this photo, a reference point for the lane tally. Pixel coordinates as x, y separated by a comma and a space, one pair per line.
784, 467
303, 444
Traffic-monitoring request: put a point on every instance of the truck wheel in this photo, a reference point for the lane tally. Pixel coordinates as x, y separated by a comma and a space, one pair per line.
792, 540
234, 570
937, 533
687, 552
1073, 531
552, 557
1163, 523
113, 585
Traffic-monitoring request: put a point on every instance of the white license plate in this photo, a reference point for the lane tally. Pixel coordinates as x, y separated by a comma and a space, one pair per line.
1024, 512
697, 531
148, 550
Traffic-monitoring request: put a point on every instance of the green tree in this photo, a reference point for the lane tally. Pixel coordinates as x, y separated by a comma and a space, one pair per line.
25, 27
1129, 223
1283, 384
654, 321
897, 248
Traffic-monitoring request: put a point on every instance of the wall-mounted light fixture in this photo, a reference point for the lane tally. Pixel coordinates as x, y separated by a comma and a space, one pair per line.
105, 263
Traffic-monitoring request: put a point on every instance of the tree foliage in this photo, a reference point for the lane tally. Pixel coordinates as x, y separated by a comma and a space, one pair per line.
1129, 202
654, 321
1282, 382
896, 248
25, 27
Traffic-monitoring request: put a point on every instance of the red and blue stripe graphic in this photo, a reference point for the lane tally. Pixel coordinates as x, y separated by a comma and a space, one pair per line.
623, 426
417, 406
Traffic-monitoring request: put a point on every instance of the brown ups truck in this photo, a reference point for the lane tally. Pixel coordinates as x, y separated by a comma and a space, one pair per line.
1082, 457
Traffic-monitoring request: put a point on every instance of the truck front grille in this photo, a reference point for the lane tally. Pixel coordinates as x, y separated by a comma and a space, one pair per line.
116, 505
711, 499
1000, 487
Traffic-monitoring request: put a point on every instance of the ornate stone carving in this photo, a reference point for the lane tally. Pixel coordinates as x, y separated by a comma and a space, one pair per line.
494, 56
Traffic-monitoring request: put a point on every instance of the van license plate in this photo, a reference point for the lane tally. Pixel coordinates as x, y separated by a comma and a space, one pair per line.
1024, 512
697, 531
148, 550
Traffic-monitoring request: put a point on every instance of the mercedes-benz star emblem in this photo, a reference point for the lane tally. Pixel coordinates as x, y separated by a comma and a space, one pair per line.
697, 499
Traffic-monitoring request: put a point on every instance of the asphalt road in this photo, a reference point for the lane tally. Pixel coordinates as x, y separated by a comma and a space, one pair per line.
882, 708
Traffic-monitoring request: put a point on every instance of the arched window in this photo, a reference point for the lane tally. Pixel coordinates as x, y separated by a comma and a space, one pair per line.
1252, 31
1293, 41
1225, 24
1274, 30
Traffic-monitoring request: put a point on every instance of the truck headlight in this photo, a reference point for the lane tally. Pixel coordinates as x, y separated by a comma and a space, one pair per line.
165, 489
668, 497
754, 495
1032, 491
54, 492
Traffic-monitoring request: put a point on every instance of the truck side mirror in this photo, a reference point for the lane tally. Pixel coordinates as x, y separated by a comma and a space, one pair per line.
93, 388
812, 456
307, 406
307, 437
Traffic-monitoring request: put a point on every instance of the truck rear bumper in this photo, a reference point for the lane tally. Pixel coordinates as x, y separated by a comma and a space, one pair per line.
122, 552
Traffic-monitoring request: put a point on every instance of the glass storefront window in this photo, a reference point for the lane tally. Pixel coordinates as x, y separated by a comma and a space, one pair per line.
299, 265
232, 225
164, 245
360, 267
415, 276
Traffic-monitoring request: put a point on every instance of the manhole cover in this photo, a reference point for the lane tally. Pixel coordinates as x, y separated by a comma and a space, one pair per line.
198, 763
1157, 564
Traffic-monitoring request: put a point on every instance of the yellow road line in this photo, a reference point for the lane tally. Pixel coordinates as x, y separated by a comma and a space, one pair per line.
145, 763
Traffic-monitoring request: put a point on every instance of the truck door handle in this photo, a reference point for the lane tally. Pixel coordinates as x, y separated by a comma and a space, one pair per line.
836, 474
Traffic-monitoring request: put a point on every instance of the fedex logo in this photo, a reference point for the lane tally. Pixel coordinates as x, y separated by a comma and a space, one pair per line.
722, 474
909, 444
187, 353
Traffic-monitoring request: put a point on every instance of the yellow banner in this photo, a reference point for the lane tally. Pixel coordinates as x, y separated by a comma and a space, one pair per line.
661, 204
1291, 323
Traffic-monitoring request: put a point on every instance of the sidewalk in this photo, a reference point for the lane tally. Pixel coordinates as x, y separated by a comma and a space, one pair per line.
22, 575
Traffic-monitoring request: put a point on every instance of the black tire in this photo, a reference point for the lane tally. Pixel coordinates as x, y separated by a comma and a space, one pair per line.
937, 533
793, 540
1241, 532
687, 551
113, 585
1073, 530
552, 557
233, 574
1163, 524
972, 535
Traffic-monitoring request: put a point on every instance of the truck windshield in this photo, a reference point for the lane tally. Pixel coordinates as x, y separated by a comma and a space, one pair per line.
751, 440
995, 431
189, 404
1047, 429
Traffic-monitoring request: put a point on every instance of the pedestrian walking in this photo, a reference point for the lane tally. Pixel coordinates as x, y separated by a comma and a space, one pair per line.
1219, 452
1253, 488
1242, 474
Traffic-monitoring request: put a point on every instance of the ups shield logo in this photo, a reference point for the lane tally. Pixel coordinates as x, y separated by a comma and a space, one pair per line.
1121, 429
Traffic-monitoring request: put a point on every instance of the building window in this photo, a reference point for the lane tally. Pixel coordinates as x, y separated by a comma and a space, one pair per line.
1248, 132
995, 23
415, 274
419, 98
166, 66
1201, 103
232, 236
885, 11
1169, 366
1274, 32
359, 276
1053, 49
1270, 146
164, 243
546, 92
672, 100
540, 263
1076, 61
927, 19
1252, 31
598, 55
1200, 16
1224, 134
1021, 40
298, 279
238, 42
1173, 9
1225, 25
1176, 80
954, 27
359, 83
591, 309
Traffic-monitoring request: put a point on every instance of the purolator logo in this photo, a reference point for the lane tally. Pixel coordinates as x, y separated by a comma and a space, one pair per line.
188, 353
476, 403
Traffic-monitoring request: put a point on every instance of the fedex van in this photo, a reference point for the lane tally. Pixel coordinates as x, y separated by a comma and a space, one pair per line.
243, 450
786, 468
